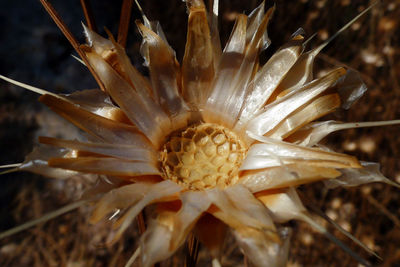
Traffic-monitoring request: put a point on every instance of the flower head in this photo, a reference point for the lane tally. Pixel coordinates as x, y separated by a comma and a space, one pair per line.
217, 141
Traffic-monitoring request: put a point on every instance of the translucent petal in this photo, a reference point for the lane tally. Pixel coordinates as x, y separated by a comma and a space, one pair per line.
194, 203
215, 40
164, 73
289, 175
228, 67
311, 134
228, 90
170, 229
238, 208
97, 102
104, 129
137, 153
317, 108
276, 153
354, 177
260, 250
36, 162
157, 191
284, 205
278, 110
119, 198
108, 166
267, 79
198, 61
129, 100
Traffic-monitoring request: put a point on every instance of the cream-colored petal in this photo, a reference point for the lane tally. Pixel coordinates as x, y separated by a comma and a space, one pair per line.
97, 102
103, 129
36, 162
276, 153
289, 175
268, 78
194, 203
278, 110
156, 192
254, 20
215, 40
369, 173
228, 67
155, 242
312, 133
127, 152
164, 73
198, 61
284, 205
107, 166
169, 231
317, 108
142, 115
260, 250
119, 199
235, 98
238, 208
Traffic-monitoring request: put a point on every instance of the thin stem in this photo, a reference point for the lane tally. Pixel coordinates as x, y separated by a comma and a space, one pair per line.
67, 33
88, 12
124, 22
192, 251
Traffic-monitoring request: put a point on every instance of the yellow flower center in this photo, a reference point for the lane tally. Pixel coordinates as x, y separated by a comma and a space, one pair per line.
203, 156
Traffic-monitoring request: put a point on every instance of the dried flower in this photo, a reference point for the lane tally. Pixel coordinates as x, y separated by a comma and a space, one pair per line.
215, 142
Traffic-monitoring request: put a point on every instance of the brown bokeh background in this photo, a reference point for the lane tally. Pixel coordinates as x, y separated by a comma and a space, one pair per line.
32, 50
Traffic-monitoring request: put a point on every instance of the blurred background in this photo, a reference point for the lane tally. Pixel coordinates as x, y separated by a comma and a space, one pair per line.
33, 51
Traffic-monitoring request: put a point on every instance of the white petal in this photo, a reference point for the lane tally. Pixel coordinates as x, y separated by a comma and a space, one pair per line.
261, 250
281, 108
268, 78
354, 177
157, 191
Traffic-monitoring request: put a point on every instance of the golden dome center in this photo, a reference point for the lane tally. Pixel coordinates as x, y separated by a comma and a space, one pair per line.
203, 156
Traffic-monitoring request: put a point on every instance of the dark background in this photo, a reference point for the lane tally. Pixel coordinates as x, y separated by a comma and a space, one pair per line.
32, 50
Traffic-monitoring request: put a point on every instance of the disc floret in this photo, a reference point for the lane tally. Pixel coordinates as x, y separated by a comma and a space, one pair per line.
203, 156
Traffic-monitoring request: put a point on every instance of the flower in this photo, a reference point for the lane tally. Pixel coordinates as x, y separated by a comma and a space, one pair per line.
215, 142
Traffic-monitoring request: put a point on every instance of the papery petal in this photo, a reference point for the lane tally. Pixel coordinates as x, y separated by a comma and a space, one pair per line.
164, 73
268, 78
198, 62
260, 250
108, 166
104, 129
194, 203
228, 67
254, 20
289, 175
37, 162
215, 39
354, 177
277, 153
284, 205
228, 91
278, 110
156, 192
146, 119
119, 198
312, 133
127, 152
156, 240
98, 102
169, 230
238, 208
317, 108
